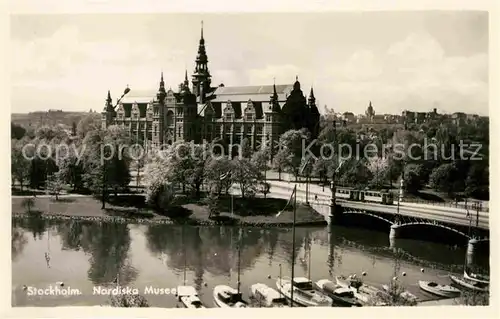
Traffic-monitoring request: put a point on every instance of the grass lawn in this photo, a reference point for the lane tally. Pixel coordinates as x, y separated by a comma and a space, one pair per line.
252, 211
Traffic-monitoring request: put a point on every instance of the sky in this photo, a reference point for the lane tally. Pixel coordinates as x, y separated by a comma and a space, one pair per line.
397, 60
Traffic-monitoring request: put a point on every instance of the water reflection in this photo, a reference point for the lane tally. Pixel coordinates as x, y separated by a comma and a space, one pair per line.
101, 253
107, 244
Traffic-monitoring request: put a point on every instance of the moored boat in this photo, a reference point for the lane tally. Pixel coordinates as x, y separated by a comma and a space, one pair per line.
228, 297
188, 297
304, 292
363, 292
432, 287
469, 284
477, 277
343, 297
404, 294
266, 296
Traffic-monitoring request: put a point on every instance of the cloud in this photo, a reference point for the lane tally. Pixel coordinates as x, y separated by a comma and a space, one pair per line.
414, 72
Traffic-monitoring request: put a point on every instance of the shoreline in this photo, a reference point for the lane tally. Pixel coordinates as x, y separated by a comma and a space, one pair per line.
164, 221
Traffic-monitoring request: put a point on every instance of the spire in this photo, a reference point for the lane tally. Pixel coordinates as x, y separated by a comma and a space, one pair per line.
161, 90
274, 99
186, 81
201, 74
162, 83
109, 103
202, 30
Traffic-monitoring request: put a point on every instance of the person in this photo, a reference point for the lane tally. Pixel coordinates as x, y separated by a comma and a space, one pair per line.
315, 197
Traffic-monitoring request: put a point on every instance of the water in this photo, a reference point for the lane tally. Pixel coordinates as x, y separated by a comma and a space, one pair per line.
88, 254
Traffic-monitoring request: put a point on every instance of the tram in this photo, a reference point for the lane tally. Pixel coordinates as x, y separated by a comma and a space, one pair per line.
380, 197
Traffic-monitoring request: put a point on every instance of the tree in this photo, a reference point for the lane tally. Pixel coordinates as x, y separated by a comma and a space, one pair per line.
71, 168
260, 159
215, 169
156, 178
17, 131
246, 150
246, 175
355, 173
443, 178
89, 123
412, 181
20, 166
379, 167
289, 157
322, 167
105, 163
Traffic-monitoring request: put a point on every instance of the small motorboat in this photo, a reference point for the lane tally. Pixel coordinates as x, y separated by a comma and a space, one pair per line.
470, 284
228, 297
188, 297
363, 292
266, 296
432, 287
304, 292
343, 297
404, 294
477, 277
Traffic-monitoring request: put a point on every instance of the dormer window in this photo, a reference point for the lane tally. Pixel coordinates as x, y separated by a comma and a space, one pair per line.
228, 112
249, 111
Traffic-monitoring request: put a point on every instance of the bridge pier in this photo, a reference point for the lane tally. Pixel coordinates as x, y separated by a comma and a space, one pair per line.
394, 233
472, 246
335, 213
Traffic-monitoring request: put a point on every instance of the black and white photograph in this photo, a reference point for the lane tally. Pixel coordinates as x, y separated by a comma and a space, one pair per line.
250, 160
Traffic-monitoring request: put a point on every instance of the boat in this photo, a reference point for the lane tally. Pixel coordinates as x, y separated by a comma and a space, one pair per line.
477, 277
228, 297
470, 284
404, 294
361, 291
188, 297
304, 292
343, 297
432, 287
267, 297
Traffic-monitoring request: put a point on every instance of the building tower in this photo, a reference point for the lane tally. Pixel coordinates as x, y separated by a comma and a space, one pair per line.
272, 124
108, 112
201, 77
313, 115
158, 115
370, 112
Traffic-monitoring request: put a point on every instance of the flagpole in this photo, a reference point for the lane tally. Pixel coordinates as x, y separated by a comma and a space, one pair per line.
293, 243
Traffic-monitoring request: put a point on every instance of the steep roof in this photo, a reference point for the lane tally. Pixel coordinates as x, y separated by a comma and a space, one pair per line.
260, 93
140, 96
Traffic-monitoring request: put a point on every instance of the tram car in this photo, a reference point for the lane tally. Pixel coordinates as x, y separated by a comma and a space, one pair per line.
381, 197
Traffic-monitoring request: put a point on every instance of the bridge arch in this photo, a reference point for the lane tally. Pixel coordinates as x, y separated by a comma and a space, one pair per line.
364, 213
435, 225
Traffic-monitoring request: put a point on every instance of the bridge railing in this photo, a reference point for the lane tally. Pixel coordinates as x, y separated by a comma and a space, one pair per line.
472, 206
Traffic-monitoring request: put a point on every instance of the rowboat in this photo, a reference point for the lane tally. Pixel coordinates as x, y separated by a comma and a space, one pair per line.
267, 296
228, 297
404, 294
343, 297
469, 284
188, 297
477, 277
304, 292
438, 289
365, 293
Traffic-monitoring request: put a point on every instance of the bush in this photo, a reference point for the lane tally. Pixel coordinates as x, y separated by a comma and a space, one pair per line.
28, 204
129, 301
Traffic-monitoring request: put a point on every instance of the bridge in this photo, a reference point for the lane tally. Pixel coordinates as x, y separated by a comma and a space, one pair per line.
409, 215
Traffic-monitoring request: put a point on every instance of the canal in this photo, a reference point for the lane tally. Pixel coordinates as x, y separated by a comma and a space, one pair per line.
84, 255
